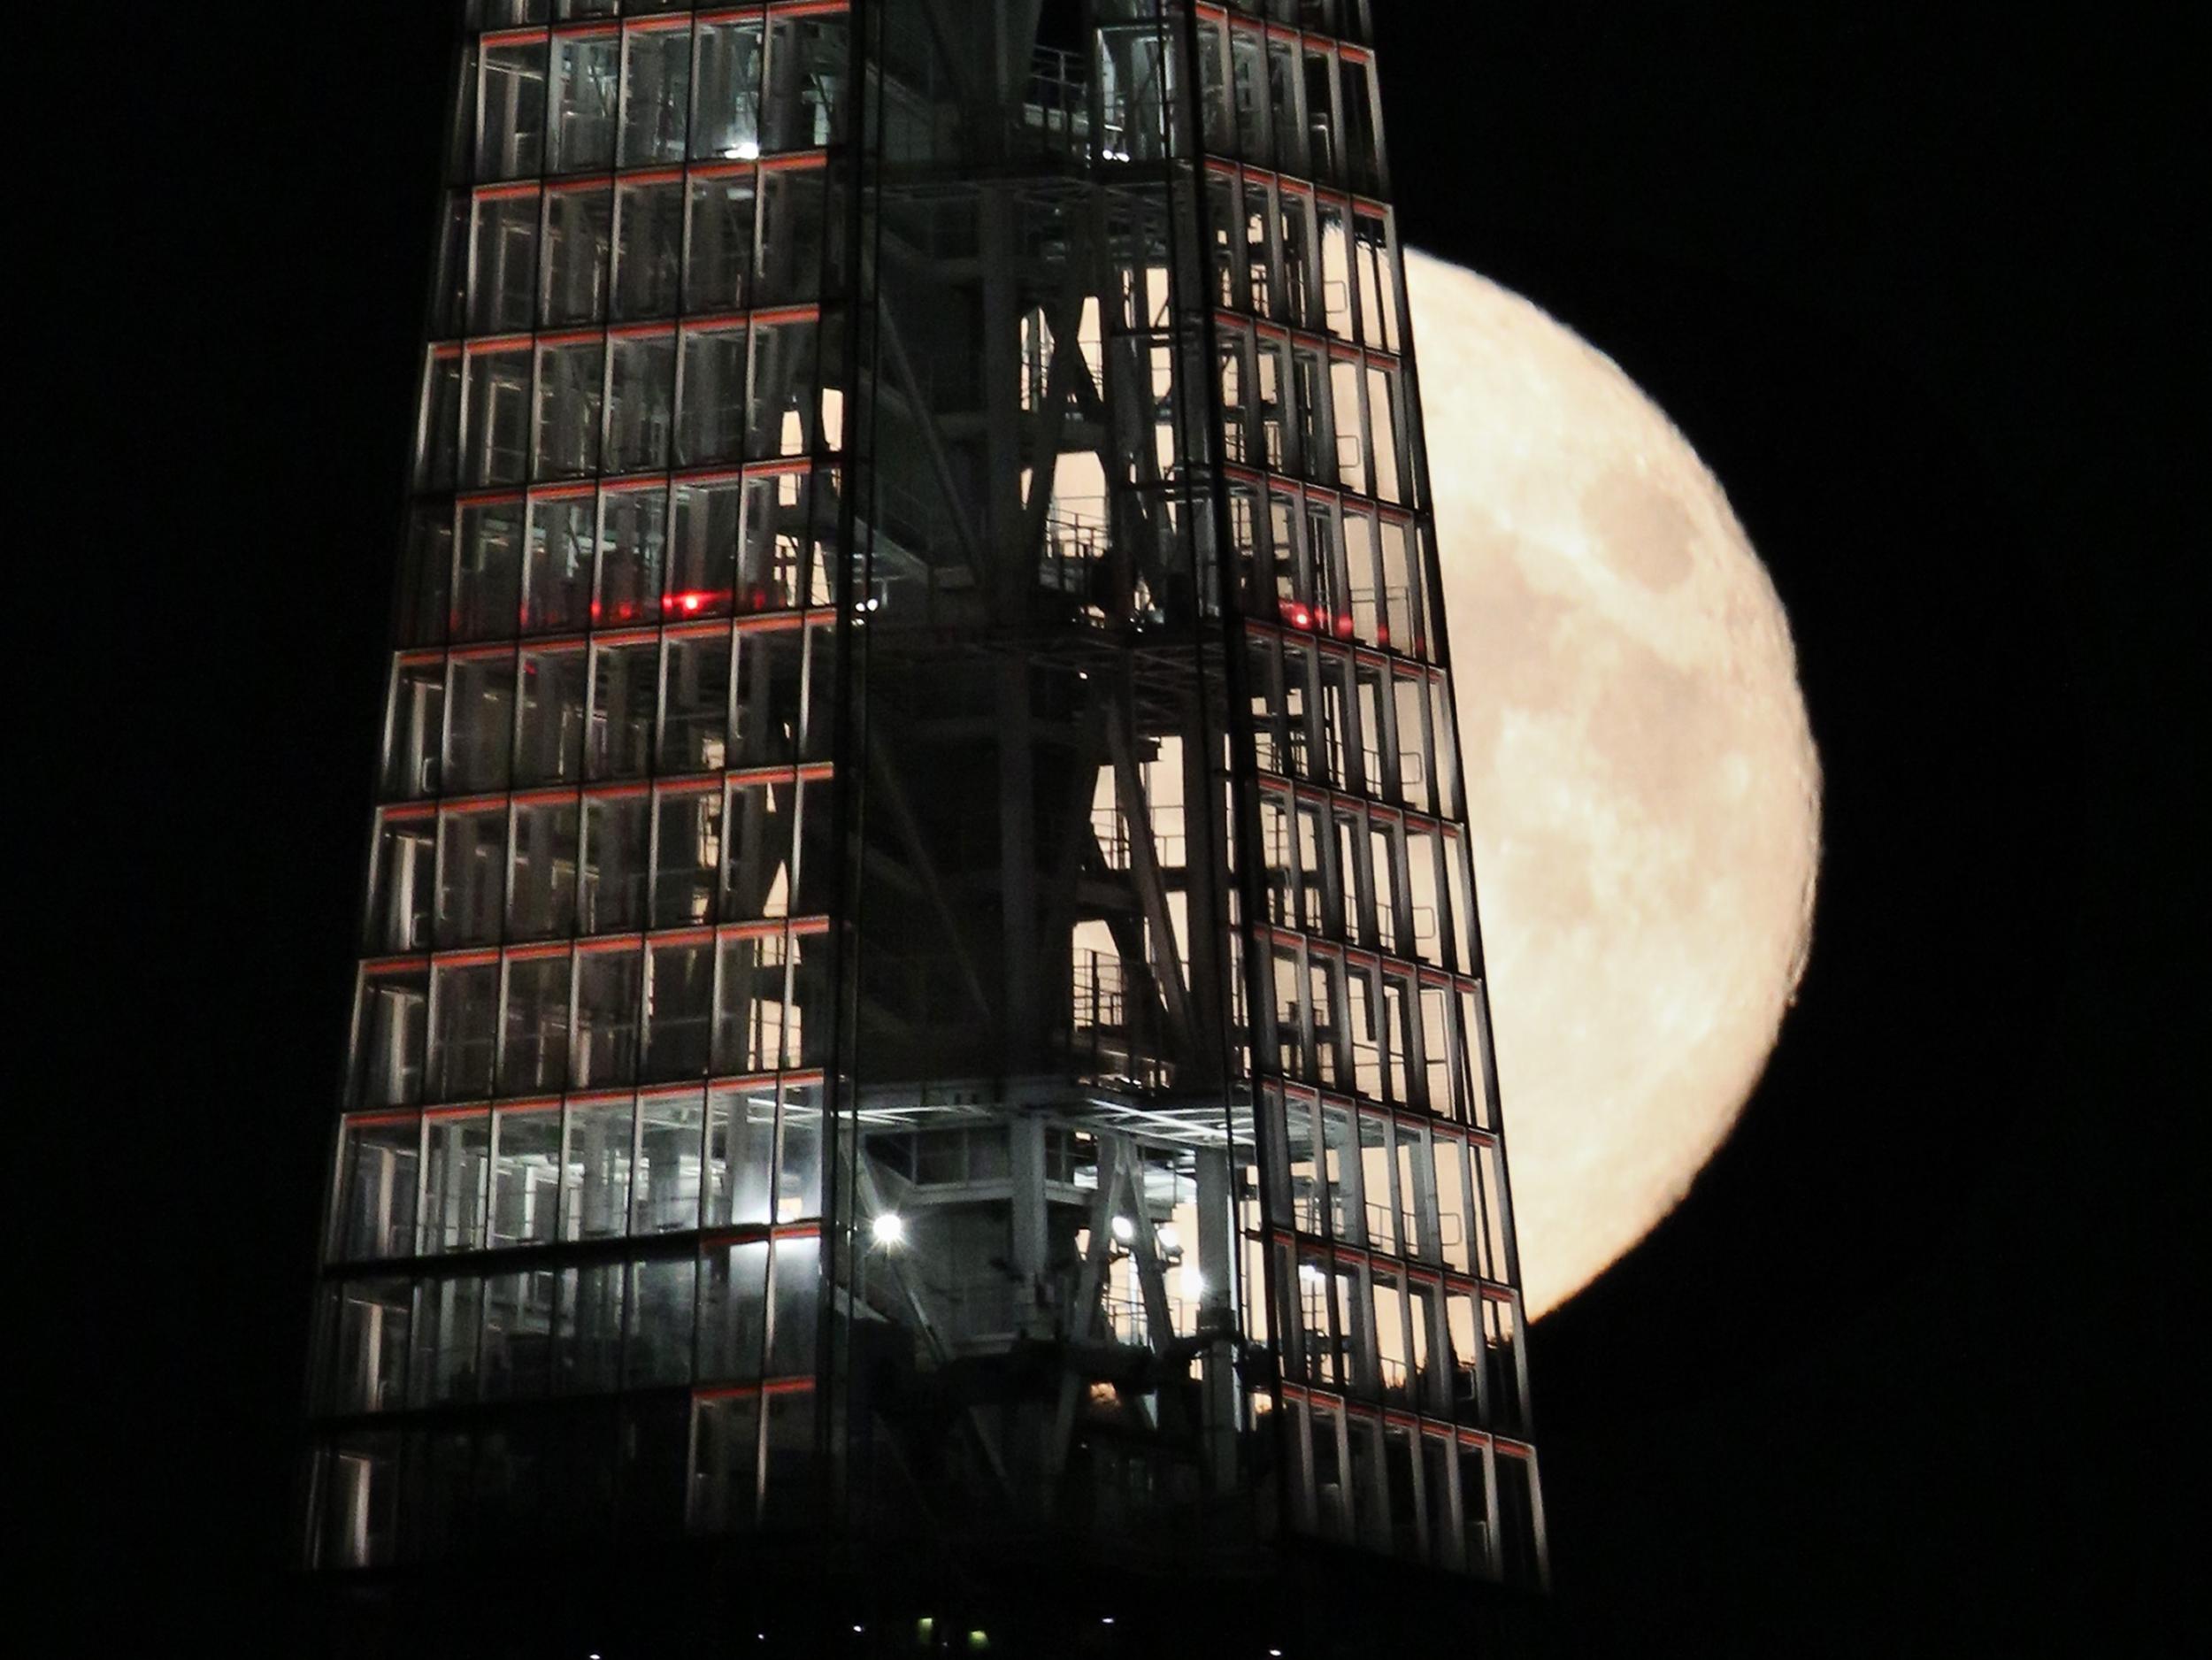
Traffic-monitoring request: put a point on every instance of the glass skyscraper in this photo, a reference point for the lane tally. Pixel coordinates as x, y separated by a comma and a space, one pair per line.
919, 984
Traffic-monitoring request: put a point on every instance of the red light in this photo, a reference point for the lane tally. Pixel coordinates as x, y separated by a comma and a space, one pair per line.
1344, 627
1297, 615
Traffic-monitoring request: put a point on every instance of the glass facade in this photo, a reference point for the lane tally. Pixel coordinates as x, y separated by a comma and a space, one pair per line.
919, 969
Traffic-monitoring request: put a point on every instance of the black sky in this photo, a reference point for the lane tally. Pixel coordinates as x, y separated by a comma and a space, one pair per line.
1892, 1380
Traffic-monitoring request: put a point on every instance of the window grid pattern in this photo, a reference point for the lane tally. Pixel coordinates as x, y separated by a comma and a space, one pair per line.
581, 1163
1386, 1225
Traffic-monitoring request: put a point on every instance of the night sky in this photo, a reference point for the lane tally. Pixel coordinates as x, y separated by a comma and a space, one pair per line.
1892, 1382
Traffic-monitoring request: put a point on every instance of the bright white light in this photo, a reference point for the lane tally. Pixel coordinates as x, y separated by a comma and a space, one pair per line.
1124, 1230
888, 1228
1310, 1272
1171, 1239
746, 151
1193, 1283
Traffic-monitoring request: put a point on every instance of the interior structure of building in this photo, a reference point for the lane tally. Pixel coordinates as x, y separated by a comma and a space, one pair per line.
920, 998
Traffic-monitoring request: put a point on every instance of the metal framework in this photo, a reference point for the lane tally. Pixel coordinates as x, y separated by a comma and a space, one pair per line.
919, 974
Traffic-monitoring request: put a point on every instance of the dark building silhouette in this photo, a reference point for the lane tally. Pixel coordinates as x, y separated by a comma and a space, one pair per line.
920, 1013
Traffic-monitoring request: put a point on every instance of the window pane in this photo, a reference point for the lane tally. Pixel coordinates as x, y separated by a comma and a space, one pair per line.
488, 576
378, 1168
603, 1046
391, 1029
633, 543
659, 1346
504, 281
679, 993
799, 1164
480, 720
619, 740
457, 1176
495, 434
614, 872
791, 1343
726, 118
595, 1183
471, 872
569, 375
740, 1154
579, 233
748, 1025
793, 206
720, 277
695, 701
688, 856
641, 391
526, 1166
648, 247
656, 93
368, 1345
733, 1312
713, 420
587, 1344
551, 746
666, 1192
535, 1052
543, 899
558, 558
463, 1028
510, 111
402, 891
702, 559
586, 80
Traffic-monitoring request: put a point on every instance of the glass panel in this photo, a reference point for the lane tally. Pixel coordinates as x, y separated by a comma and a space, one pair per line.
624, 691
649, 227
791, 1343
733, 1312
603, 1047
726, 117
587, 1353
403, 869
504, 264
687, 856
702, 561
480, 721
640, 402
711, 426
391, 1028
578, 235
558, 561
799, 1162
367, 1365
695, 702
665, 1191
379, 1167
569, 383
463, 1028
495, 429
656, 93
678, 999
587, 85
633, 543
748, 1027
518, 1344
443, 1367
535, 1054
472, 873
614, 862
596, 1177
526, 1173
658, 1348
511, 110
740, 1154
721, 247
542, 901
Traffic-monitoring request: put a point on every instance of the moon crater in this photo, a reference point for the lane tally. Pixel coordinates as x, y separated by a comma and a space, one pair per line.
1643, 793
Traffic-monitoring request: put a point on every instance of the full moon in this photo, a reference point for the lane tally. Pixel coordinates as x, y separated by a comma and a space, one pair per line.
1643, 793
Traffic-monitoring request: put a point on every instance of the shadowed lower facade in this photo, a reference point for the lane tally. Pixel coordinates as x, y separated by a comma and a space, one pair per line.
920, 1001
